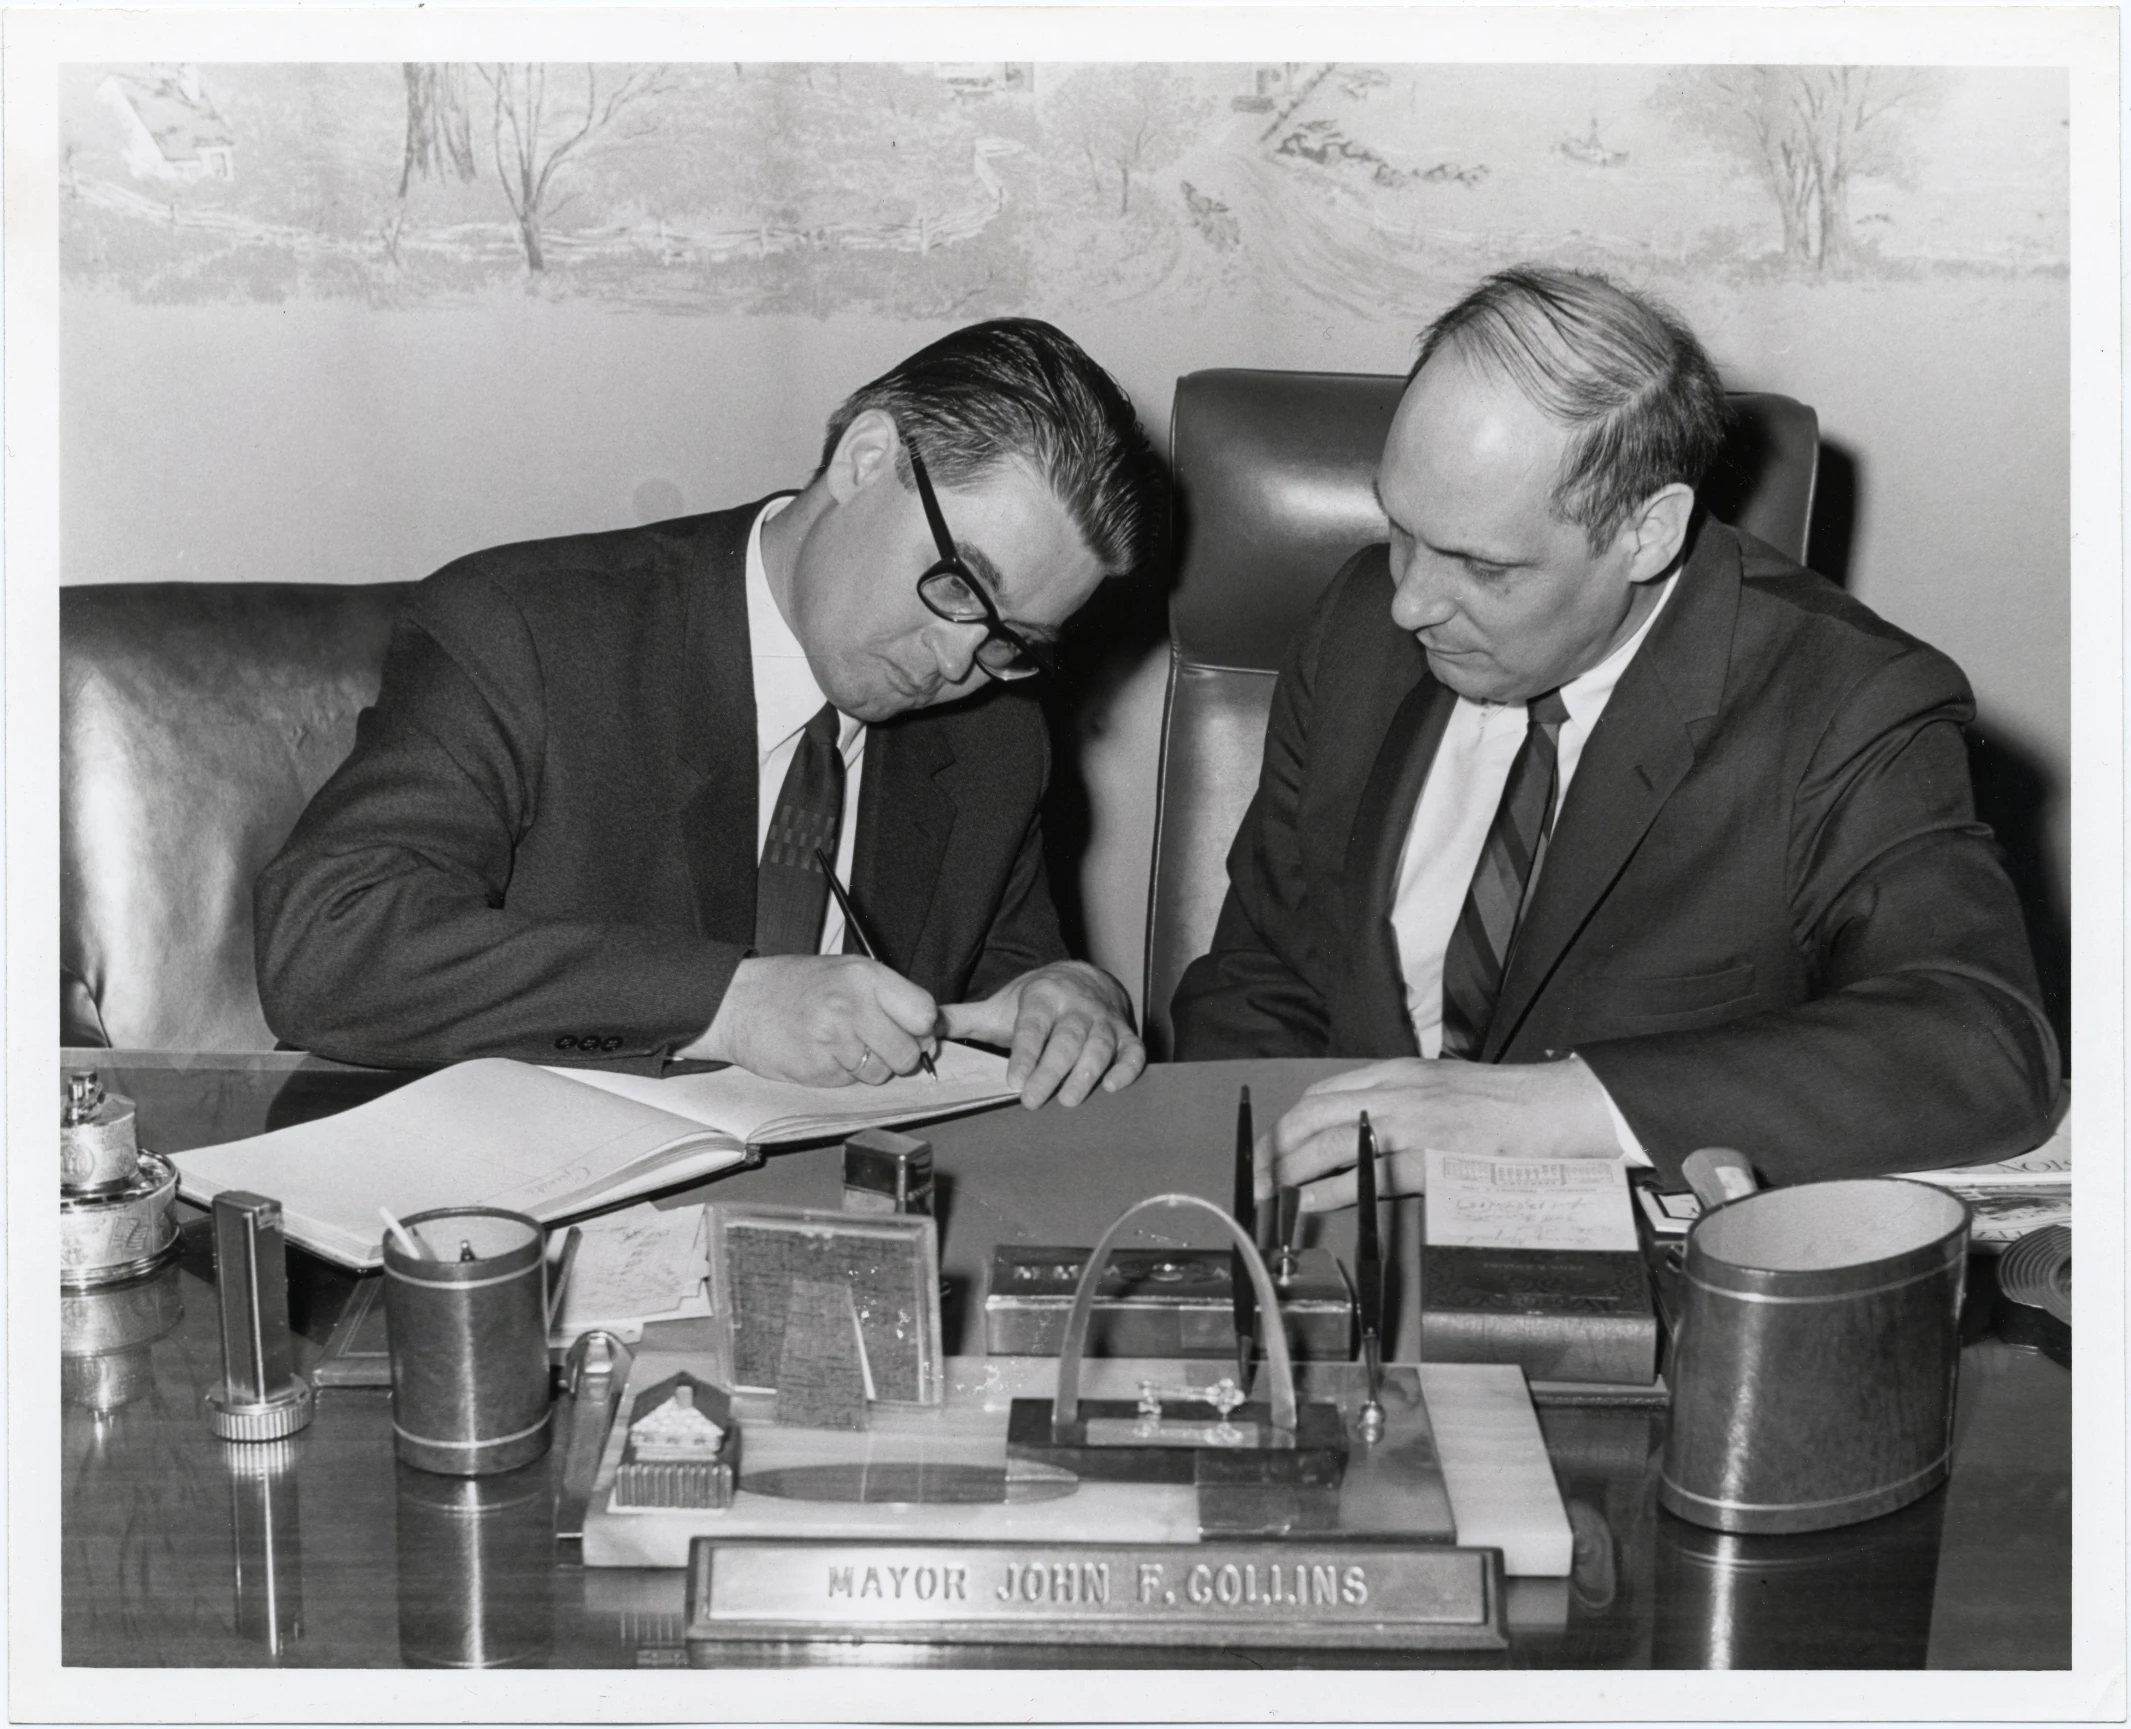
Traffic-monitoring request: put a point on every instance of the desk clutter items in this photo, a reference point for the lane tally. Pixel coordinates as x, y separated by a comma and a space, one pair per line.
1813, 1367
1158, 1303
466, 1309
633, 1267
115, 1218
831, 1311
260, 1397
2035, 1292
1135, 1501
593, 1372
1536, 1262
886, 1172
551, 1143
682, 1447
1213, 1435
2007, 1198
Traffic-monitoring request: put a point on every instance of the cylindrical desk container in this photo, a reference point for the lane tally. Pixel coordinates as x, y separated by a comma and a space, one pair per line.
98, 1146
1813, 1371
467, 1324
119, 1233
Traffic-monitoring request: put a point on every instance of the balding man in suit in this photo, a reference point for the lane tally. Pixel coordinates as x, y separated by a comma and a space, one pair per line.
1608, 828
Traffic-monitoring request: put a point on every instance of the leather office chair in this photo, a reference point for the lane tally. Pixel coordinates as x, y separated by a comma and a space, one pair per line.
196, 720
1274, 474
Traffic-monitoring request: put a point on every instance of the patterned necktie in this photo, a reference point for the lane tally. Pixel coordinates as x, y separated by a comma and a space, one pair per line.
791, 894
1479, 946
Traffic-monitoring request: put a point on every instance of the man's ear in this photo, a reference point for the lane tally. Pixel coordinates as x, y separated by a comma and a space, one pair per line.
1658, 531
864, 453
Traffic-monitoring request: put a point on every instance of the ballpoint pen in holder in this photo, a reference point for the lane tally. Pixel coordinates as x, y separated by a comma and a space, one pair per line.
1287, 1236
857, 927
1246, 1215
1369, 1280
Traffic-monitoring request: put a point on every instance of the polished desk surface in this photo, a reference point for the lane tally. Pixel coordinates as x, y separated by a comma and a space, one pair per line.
322, 1551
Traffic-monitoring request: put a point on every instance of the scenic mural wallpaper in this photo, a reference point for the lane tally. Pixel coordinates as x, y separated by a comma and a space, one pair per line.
955, 191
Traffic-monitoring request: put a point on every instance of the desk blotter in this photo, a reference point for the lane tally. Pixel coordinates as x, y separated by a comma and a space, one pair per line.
1395, 1489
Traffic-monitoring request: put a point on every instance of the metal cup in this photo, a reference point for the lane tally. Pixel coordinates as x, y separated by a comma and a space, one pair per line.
467, 1325
1813, 1371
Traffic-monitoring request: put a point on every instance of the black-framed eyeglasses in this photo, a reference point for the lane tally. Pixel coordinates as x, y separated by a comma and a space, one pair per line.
951, 590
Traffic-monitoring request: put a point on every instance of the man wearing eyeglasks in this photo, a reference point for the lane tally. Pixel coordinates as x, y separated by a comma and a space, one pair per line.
583, 821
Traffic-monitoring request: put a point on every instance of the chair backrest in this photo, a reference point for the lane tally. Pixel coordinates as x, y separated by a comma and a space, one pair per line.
1275, 474
196, 720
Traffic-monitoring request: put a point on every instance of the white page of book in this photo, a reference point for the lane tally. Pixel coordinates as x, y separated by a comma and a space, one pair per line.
763, 1112
1478, 1203
484, 1133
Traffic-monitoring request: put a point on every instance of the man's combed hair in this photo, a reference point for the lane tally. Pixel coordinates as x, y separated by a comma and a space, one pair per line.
1643, 405
1021, 388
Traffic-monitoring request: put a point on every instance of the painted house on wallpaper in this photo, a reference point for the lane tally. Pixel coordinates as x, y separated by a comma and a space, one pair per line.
171, 128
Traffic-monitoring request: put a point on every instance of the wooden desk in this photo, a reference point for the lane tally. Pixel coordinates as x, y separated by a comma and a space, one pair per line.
323, 1552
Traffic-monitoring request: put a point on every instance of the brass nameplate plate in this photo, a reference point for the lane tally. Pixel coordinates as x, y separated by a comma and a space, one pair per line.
1264, 1594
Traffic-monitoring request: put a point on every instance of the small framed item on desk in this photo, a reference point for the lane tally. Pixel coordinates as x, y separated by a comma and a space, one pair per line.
865, 1288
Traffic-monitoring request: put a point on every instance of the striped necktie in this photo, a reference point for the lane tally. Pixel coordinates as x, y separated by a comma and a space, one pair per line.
791, 894
1479, 946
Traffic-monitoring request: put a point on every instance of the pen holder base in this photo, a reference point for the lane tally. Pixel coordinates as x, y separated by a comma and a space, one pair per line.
1117, 1441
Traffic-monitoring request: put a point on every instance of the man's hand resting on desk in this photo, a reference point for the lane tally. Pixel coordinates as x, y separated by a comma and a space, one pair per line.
826, 1020
1520, 1110
1068, 1027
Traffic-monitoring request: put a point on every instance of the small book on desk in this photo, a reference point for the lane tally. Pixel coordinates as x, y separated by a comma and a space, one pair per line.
1535, 1262
551, 1143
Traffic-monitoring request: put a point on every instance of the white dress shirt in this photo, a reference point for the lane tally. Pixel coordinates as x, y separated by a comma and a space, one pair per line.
786, 698
1450, 823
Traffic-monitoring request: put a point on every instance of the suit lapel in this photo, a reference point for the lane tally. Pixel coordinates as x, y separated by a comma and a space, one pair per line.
906, 817
717, 731
1381, 819
1639, 752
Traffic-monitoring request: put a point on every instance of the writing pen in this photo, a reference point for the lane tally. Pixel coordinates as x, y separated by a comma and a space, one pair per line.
857, 927
1368, 1278
1246, 1211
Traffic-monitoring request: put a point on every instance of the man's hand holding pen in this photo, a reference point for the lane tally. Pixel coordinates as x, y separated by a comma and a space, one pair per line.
829, 1020
824, 1020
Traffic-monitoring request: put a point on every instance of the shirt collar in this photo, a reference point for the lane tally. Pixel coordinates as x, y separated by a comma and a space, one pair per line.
1585, 695
787, 695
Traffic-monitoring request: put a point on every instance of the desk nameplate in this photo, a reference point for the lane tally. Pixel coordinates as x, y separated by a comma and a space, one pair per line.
1287, 1595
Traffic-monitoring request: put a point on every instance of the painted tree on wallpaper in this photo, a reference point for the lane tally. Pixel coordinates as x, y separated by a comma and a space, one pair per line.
439, 127
1810, 133
959, 190
533, 136
1123, 121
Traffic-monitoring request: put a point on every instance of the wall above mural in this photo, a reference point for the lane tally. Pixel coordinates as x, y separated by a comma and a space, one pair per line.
958, 190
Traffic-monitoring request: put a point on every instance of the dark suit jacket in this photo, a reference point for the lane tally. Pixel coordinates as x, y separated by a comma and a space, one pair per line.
543, 843
1767, 918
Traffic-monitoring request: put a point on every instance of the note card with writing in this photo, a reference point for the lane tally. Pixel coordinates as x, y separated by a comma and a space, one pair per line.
1477, 1203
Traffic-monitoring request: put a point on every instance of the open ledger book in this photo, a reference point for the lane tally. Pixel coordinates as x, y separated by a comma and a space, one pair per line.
551, 1143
